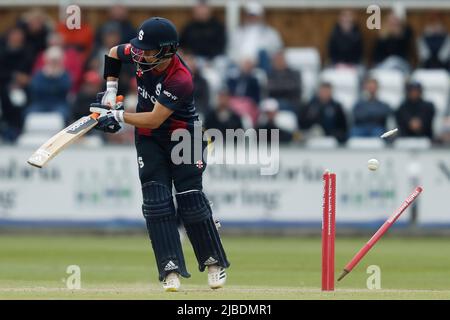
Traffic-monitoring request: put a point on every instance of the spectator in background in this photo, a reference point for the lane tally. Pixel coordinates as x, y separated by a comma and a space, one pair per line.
50, 86
36, 25
267, 120
72, 61
255, 39
415, 115
445, 134
393, 47
325, 112
204, 36
110, 37
223, 117
243, 83
434, 44
284, 83
82, 39
370, 115
118, 14
345, 44
92, 84
201, 86
16, 61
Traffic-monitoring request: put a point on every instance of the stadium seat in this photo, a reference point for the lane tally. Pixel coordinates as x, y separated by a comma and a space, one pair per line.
261, 76
91, 141
32, 140
247, 122
286, 120
391, 86
307, 61
436, 88
215, 82
365, 143
321, 143
36, 140
39, 127
412, 143
244, 106
43, 122
345, 86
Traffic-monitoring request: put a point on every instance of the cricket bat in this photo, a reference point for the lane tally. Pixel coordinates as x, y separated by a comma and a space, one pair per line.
62, 139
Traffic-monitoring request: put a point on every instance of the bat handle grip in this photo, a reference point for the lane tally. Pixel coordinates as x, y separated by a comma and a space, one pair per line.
119, 99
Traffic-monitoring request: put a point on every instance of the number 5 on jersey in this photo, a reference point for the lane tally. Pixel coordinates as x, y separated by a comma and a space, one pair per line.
141, 162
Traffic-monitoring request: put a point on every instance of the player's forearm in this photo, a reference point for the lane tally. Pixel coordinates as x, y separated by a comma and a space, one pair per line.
146, 120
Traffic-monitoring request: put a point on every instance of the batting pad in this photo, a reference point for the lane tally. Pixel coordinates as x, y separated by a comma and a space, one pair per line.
196, 214
159, 213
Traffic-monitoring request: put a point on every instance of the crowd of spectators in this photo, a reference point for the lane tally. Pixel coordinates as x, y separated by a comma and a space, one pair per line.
46, 67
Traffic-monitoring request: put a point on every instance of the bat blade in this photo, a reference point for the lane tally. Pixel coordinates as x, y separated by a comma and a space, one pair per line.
61, 140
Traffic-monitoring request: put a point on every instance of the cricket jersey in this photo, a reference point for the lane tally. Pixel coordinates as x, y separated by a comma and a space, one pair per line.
173, 88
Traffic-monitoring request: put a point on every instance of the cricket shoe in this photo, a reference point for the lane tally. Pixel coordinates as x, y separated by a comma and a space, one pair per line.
216, 276
172, 282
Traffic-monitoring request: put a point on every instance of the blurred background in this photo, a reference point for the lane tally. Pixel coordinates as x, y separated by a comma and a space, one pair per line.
312, 69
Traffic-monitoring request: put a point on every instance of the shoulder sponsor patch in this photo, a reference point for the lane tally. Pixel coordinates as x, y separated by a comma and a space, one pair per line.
171, 96
127, 49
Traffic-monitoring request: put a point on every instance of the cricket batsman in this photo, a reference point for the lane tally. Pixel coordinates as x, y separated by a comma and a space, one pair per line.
165, 104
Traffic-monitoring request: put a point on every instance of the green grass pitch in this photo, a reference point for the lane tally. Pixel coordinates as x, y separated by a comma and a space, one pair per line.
122, 267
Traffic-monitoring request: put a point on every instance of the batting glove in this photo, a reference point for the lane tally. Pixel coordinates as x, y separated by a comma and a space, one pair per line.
117, 106
109, 119
109, 97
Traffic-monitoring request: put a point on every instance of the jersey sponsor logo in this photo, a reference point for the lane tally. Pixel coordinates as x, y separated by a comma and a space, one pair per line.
139, 72
171, 96
146, 95
199, 164
127, 49
141, 162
